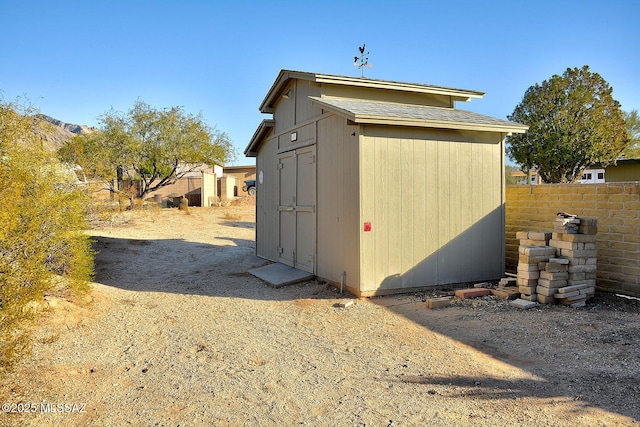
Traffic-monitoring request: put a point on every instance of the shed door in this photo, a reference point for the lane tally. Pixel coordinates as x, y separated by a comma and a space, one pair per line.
296, 208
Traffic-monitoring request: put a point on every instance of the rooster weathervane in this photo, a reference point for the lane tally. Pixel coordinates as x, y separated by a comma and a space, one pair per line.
362, 60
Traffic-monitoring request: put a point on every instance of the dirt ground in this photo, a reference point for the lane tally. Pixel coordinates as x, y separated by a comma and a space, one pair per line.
177, 333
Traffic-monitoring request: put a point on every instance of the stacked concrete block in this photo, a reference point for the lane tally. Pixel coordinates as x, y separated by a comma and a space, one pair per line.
575, 295
564, 268
566, 223
553, 276
581, 251
528, 271
533, 238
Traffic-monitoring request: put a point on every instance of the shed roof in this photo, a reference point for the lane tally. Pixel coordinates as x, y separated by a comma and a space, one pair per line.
389, 113
263, 130
285, 76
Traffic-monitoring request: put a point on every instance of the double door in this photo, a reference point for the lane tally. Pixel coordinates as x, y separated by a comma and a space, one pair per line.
296, 208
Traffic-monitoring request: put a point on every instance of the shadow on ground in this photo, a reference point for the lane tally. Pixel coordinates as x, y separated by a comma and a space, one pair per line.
183, 267
601, 370
220, 270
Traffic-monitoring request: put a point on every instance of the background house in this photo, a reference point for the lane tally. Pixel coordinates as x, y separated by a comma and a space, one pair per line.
189, 185
204, 186
238, 174
381, 186
625, 170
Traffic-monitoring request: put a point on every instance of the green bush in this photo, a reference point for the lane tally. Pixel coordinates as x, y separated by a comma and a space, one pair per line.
42, 223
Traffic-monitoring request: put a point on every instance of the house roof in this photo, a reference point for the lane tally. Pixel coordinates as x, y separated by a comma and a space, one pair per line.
285, 76
376, 112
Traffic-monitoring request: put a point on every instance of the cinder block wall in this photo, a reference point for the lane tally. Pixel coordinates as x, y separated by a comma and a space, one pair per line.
615, 205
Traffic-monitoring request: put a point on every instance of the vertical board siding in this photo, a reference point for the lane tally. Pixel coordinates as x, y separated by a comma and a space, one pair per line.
407, 194
267, 201
305, 110
380, 223
337, 202
285, 110
435, 199
367, 211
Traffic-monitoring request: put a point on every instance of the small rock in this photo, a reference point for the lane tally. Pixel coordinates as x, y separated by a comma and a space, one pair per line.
344, 303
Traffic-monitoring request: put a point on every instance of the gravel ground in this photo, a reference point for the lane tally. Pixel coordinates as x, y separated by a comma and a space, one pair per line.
178, 334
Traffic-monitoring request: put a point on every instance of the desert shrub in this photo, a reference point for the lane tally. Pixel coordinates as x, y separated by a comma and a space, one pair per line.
42, 223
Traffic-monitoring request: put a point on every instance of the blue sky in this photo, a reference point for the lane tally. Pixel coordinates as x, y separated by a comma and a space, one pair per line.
75, 60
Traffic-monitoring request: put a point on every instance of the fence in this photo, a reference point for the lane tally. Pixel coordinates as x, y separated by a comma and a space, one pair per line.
616, 206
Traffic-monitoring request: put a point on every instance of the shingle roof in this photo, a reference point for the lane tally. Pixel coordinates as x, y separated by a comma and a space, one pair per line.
365, 111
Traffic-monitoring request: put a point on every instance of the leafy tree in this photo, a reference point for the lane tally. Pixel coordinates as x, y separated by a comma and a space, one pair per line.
156, 147
632, 125
573, 121
42, 223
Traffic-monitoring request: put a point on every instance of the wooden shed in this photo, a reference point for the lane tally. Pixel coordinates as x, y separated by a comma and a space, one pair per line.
379, 186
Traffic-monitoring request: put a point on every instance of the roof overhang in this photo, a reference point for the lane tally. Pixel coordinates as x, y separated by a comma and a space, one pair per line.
384, 113
263, 130
285, 76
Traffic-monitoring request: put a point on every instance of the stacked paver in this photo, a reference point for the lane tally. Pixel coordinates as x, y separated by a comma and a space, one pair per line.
575, 241
559, 266
532, 251
553, 276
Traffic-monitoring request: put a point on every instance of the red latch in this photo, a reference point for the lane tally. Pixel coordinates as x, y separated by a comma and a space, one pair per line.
367, 226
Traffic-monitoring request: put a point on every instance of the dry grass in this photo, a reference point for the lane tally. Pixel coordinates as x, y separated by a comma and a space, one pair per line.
228, 216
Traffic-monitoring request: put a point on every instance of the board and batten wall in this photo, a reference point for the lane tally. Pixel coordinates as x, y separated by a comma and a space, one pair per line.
267, 200
435, 200
337, 201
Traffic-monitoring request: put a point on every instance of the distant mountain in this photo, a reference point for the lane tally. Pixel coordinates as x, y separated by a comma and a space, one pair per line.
67, 126
57, 132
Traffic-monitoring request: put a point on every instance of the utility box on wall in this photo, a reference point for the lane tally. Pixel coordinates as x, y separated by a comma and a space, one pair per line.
382, 186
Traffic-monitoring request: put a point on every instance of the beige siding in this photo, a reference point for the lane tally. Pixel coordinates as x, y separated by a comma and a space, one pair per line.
209, 187
285, 110
267, 201
387, 95
622, 173
435, 202
337, 201
305, 110
304, 135
296, 109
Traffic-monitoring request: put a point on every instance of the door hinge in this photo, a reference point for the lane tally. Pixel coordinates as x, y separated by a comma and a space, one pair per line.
280, 250
280, 166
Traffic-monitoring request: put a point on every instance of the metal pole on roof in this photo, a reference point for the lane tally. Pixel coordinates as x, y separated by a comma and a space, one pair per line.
362, 60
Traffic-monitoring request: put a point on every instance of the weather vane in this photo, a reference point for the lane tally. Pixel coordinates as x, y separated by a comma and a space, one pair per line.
362, 60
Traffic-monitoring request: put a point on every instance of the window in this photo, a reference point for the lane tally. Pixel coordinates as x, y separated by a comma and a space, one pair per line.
600, 175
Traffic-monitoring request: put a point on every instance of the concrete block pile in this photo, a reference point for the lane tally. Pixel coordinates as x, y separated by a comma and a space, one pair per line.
577, 244
559, 266
528, 270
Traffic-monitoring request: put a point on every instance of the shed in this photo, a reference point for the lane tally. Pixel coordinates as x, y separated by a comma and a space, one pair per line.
380, 186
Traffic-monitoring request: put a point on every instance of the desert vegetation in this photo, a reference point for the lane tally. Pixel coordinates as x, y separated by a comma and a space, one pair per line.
43, 247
